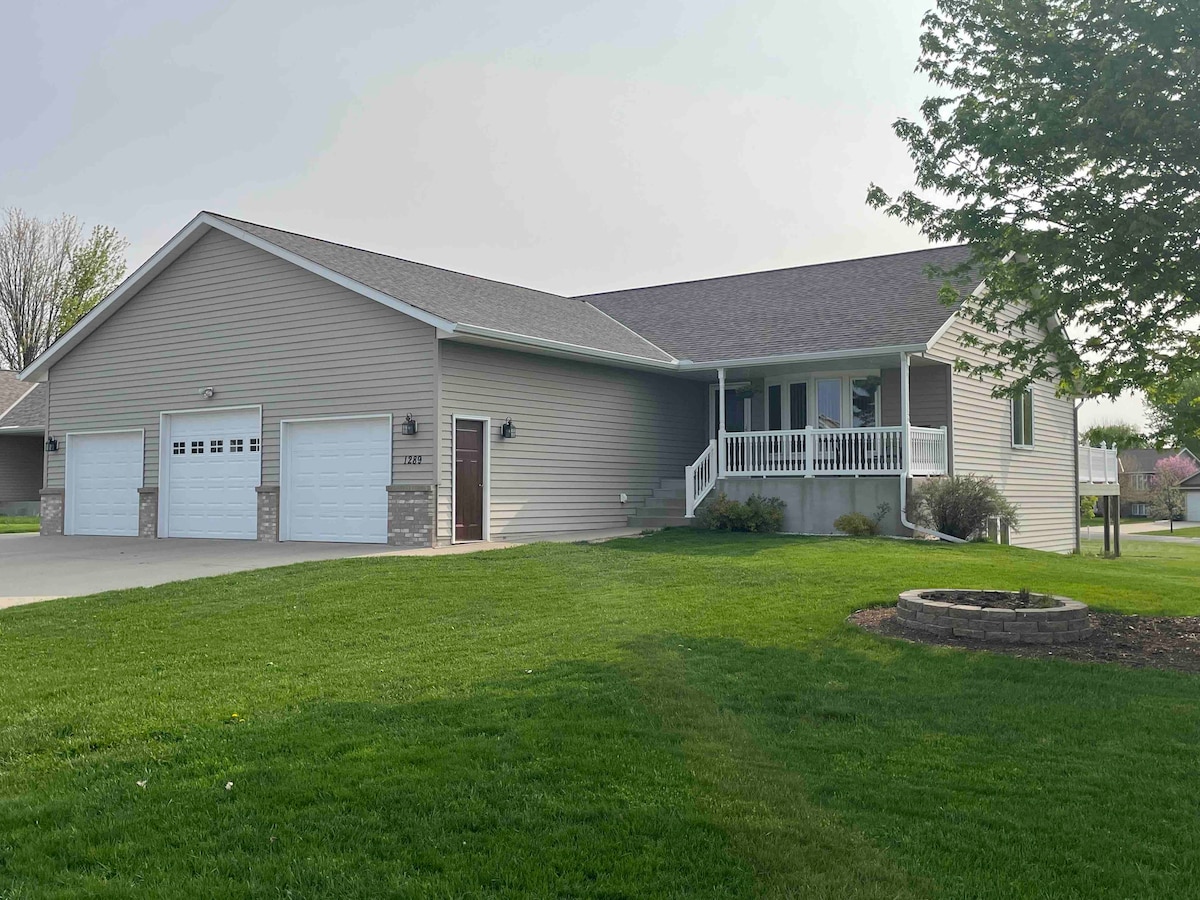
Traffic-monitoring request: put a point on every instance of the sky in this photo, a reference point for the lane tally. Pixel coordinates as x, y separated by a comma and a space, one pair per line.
569, 146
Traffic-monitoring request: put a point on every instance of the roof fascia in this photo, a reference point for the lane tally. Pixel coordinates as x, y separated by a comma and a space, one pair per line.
477, 334
14, 404
687, 365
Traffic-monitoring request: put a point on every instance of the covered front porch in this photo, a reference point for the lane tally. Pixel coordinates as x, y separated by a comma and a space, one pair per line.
870, 415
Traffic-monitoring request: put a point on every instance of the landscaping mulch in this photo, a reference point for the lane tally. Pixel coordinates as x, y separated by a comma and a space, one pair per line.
1139, 642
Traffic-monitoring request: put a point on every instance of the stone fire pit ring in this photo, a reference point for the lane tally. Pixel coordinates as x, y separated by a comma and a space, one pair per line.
1060, 624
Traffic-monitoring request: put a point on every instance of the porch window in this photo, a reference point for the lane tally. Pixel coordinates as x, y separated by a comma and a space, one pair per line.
798, 405
1022, 418
829, 403
737, 410
775, 407
864, 402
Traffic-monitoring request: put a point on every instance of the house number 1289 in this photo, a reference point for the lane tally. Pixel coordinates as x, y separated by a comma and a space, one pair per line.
412, 460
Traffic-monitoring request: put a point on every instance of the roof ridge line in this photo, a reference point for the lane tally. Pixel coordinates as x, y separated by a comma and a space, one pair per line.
829, 262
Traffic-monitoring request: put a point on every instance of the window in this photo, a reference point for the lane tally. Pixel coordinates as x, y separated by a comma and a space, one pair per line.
775, 407
216, 446
178, 448
1140, 481
829, 403
1022, 419
864, 401
798, 405
235, 445
1138, 509
197, 446
254, 445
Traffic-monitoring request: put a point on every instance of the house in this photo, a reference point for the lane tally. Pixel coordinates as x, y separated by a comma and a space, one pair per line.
1191, 493
1138, 465
248, 382
22, 432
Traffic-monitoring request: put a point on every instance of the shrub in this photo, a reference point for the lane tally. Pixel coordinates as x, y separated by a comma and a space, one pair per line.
861, 525
763, 514
960, 505
856, 524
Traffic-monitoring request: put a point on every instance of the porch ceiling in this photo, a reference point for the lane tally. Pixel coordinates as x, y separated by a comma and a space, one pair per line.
772, 369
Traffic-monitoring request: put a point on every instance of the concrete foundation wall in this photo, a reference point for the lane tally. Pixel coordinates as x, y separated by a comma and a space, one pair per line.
814, 503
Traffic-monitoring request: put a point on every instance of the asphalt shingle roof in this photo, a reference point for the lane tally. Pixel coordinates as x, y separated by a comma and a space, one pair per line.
851, 305
1142, 459
466, 299
29, 411
11, 390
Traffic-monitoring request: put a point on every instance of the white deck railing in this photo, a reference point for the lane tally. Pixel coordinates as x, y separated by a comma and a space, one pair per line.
700, 477
930, 451
833, 451
1098, 465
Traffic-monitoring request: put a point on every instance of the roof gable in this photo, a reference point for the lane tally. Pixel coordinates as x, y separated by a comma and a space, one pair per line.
1144, 459
28, 412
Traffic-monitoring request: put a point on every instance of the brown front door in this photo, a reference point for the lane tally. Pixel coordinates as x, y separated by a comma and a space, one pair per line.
468, 481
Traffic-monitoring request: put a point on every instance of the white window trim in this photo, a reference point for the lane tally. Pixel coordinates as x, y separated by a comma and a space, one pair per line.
1012, 421
810, 380
69, 476
284, 534
487, 475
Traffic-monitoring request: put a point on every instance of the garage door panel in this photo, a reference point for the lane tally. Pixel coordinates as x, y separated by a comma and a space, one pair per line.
213, 467
104, 472
1193, 506
336, 474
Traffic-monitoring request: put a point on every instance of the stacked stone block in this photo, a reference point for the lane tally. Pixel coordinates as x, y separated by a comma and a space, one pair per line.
1068, 621
410, 515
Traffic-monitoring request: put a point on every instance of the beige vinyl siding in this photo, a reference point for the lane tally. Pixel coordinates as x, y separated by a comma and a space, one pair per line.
1041, 480
928, 396
259, 331
20, 467
585, 434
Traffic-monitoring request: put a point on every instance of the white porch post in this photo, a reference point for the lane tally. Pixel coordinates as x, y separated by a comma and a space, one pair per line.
720, 422
905, 438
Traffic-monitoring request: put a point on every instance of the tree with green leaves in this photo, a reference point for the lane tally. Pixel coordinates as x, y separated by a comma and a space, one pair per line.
1175, 413
1121, 435
1063, 146
51, 274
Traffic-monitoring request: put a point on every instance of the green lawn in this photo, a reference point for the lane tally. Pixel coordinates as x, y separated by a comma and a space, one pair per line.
1191, 531
18, 524
684, 715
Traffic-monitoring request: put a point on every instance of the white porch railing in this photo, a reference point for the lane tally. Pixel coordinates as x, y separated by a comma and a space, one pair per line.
930, 450
1098, 465
833, 451
699, 478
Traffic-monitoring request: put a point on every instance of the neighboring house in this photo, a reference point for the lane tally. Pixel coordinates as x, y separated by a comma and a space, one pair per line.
1137, 476
22, 435
250, 382
1191, 492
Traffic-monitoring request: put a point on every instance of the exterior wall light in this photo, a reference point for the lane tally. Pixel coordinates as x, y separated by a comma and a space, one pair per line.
208, 393
51, 444
508, 429
409, 425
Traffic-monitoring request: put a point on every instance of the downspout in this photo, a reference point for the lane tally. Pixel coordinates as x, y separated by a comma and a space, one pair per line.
907, 457
1078, 523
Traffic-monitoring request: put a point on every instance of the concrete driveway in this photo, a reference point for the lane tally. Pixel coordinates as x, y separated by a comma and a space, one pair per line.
35, 568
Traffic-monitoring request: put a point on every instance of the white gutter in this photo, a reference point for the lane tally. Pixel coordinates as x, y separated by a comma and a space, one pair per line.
685, 365
904, 522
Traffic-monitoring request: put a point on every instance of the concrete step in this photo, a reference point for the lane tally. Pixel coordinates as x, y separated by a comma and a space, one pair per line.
667, 493
661, 508
671, 483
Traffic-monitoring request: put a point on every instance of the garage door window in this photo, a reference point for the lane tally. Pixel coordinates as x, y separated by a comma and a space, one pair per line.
254, 445
235, 445
216, 446
197, 446
179, 448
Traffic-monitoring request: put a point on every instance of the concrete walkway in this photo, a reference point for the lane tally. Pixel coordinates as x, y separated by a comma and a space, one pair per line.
35, 568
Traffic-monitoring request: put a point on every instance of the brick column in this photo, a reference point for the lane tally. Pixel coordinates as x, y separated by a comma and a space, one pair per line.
52, 510
268, 512
148, 512
410, 515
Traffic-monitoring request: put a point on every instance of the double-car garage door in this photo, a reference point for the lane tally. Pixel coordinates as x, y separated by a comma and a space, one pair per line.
333, 486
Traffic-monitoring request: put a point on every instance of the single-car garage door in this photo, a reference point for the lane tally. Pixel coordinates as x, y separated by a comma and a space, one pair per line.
334, 479
212, 467
104, 472
1193, 506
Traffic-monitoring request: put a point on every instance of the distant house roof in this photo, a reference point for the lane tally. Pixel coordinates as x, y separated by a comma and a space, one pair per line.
28, 411
1142, 459
1191, 484
858, 304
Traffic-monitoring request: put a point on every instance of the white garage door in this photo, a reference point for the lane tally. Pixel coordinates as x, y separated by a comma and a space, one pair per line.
104, 472
1193, 506
334, 480
212, 467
